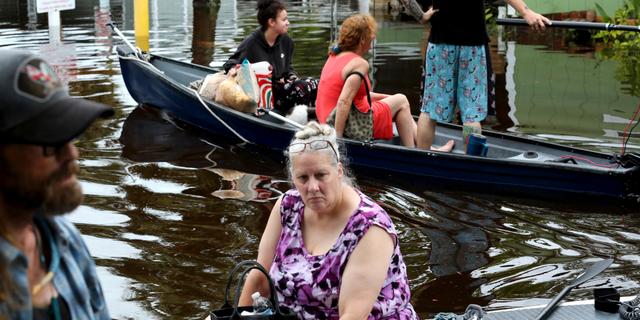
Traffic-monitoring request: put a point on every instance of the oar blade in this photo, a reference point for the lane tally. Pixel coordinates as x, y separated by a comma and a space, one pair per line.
592, 271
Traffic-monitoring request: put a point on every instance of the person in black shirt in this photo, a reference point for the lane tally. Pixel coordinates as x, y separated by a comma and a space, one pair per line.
271, 43
455, 63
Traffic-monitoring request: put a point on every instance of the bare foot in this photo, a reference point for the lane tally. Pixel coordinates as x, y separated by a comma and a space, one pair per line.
447, 147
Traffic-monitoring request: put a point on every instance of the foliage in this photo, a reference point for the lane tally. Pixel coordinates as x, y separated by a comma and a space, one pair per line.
623, 46
490, 16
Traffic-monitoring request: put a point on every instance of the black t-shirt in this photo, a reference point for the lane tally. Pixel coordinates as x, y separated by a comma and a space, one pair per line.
458, 22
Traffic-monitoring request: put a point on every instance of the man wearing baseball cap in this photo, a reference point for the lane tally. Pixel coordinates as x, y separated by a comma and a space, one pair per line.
46, 271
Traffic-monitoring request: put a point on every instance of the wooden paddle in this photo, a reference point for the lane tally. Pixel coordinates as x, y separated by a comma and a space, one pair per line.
572, 25
591, 272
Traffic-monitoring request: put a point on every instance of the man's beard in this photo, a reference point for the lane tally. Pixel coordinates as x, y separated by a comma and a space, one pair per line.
23, 192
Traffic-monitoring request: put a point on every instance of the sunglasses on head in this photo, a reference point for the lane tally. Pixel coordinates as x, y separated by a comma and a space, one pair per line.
313, 145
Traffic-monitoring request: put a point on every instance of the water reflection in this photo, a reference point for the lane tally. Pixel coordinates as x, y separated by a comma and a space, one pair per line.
147, 138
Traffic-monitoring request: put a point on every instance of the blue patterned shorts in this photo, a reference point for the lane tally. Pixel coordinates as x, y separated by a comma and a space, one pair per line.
455, 75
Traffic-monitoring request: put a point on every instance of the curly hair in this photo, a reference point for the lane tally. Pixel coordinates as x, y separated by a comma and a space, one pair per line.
268, 9
358, 27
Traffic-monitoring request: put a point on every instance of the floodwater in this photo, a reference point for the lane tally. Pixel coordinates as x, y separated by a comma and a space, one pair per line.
169, 213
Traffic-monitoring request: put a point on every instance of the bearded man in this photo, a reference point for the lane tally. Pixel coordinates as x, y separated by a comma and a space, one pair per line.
46, 271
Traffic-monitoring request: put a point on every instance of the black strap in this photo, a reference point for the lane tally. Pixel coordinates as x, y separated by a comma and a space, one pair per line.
247, 266
366, 86
242, 264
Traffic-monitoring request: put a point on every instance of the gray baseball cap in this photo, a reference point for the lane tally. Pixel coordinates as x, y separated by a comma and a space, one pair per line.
35, 107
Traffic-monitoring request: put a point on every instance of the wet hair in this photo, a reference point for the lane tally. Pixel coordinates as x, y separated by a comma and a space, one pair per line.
354, 29
268, 9
314, 131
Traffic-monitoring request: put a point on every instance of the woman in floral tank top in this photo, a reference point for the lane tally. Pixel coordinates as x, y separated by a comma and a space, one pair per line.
331, 251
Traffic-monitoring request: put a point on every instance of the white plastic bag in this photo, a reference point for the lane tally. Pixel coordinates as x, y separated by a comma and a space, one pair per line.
210, 85
246, 78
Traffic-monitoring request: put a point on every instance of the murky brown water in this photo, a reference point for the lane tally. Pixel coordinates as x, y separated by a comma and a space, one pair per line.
169, 213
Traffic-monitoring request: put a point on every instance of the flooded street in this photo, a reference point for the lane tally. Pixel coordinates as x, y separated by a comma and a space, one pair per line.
168, 213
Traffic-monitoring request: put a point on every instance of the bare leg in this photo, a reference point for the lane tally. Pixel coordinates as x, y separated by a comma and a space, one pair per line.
401, 113
427, 132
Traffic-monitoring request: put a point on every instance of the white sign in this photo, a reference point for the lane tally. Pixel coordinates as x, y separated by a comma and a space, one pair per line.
43, 6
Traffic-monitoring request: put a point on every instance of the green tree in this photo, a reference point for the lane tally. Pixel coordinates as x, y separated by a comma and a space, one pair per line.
623, 46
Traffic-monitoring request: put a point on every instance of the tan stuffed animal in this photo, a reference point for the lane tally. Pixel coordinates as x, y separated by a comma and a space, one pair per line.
230, 94
210, 85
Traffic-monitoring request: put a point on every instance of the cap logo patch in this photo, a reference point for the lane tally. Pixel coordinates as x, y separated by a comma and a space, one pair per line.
38, 75
37, 79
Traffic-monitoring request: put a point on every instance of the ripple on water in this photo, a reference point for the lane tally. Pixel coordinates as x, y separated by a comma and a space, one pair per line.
629, 235
531, 276
102, 248
163, 214
133, 236
100, 189
99, 217
119, 299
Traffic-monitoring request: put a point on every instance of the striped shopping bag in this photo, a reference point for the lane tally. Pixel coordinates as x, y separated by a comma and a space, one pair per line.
263, 72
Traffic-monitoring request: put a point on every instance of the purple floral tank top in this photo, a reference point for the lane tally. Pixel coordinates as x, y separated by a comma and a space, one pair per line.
310, 285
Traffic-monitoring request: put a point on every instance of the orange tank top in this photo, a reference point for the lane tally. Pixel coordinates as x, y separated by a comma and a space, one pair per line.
331, 83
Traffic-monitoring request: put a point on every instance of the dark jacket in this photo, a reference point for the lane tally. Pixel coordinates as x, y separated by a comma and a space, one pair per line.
256, 49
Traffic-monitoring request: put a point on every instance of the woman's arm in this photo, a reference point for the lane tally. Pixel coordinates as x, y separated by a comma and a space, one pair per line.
239, 55
266, 252
534, 19
415, 10
365, 273
349, 90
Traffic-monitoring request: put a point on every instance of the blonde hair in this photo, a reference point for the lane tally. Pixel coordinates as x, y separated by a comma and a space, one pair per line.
356, 28
314, 131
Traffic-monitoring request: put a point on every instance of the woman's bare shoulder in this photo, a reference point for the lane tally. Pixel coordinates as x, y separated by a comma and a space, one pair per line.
357, 64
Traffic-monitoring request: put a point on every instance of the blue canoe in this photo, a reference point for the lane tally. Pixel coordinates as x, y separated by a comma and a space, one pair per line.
513, 165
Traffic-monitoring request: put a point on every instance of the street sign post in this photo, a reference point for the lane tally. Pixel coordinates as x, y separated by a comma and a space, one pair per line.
53, 8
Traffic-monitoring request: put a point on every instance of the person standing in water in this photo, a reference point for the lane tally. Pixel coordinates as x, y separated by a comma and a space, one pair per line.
456, 63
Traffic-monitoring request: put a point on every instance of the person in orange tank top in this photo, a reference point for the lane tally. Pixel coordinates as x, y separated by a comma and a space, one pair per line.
338, 89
